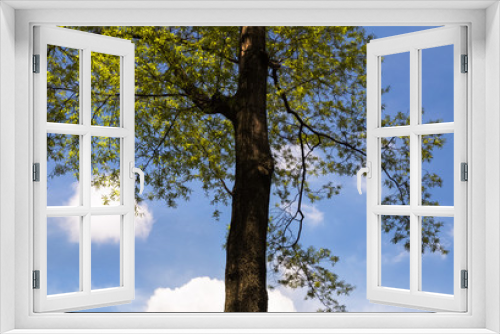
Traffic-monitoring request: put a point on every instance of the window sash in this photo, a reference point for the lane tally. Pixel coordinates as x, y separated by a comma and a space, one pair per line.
86, 43
413, 43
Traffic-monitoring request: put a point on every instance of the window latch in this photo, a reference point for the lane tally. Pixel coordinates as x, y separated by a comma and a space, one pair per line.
134, 170
365, 170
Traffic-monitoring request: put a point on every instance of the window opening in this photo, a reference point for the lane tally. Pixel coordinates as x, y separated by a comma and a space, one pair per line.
180, 258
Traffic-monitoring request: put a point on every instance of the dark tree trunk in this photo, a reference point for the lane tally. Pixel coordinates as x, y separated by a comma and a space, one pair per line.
246, 245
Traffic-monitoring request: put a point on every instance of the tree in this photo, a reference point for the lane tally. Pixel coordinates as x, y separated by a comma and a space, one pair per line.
253, 113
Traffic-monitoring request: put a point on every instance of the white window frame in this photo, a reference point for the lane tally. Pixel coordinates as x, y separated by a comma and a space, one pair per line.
85, 43
413, 44
16, 21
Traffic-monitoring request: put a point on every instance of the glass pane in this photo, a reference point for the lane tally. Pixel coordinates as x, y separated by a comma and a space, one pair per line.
437, 254
395, 170
105, 89
437, 84
63, 84
63, 255
63, 166
105, 171
395, 252
395, 89
105, 259
437, 169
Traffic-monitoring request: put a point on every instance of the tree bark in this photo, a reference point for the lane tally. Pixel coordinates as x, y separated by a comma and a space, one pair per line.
246, 245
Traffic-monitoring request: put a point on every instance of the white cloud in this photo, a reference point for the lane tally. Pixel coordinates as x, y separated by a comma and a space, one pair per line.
287, 151
294, 155
403, 255
313, 215
203, 294
279, 302
446, 237
450, 234
105, 229
144, 222
393, 257
299, 302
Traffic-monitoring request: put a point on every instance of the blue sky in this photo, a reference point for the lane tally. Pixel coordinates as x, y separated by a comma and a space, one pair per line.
179, 255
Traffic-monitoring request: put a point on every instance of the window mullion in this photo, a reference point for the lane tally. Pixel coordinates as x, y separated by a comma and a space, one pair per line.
414, 172
86, 168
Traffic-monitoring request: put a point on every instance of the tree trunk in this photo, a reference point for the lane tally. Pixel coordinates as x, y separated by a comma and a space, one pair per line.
246, 245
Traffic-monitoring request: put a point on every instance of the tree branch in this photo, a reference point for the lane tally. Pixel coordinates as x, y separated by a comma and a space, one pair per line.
303, 123
217, 104
162, 141
218, 177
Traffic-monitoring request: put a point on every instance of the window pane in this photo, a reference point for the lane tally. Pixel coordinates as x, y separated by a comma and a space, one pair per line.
63, 255
395, 252
105, 89
437, 84
63, 85
105, 234
437, 254
63, 166
105, 171
395, 90
437, 169
395, 170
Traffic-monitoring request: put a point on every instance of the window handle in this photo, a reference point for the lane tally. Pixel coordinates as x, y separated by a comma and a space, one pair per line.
135, 170
365, 170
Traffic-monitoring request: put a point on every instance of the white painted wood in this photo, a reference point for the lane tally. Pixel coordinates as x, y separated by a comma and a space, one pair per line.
372, 190
414, 170
93, 130
247, 4
257, 331
86, 172
127, 159
492, 207
406, 130
460, 156
413, 43
86, 44
419, 210
7, 168
64, 211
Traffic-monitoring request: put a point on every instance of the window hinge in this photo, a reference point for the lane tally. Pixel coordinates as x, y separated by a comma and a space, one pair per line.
465, 279
36, 279
465, 64
36, 63
464, 171
36, 172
